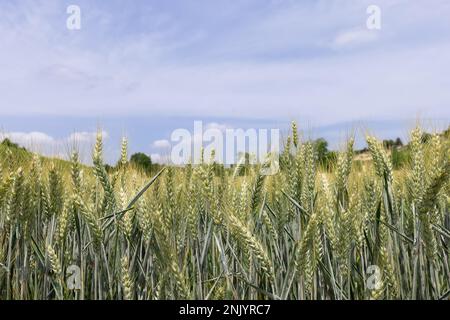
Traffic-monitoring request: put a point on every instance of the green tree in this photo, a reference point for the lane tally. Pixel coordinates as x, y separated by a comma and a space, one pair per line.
8, 143
321, 146
142, 161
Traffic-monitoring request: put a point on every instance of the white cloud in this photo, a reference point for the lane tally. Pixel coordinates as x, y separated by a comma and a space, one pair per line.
161, 144
355, 37
47, 145
28, 138
85, 136
158, 158
219, 126
155, 157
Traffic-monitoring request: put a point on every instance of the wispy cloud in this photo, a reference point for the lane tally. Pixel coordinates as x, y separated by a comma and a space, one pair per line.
27, 138
355, 37
85, 136
161, 144
254, 59
161, 158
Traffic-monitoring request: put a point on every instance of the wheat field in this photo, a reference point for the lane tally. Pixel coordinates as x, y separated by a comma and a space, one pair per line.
355, 230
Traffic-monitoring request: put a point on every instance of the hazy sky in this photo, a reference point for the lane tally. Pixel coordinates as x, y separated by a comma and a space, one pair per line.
219, 61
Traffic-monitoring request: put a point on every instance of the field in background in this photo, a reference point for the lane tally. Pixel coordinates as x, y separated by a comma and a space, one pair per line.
370, 226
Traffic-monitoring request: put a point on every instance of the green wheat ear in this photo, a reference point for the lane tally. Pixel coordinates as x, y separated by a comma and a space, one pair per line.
310, 231
127, 282
54, 261
124, 152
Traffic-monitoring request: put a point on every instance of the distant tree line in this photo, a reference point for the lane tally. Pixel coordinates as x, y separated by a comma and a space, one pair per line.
400, 155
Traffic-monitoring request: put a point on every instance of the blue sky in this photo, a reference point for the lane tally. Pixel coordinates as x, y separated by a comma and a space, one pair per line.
145, 68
